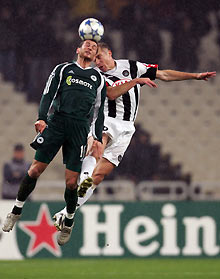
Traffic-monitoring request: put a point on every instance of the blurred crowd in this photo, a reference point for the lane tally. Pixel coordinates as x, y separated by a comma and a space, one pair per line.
14, 171
37, 35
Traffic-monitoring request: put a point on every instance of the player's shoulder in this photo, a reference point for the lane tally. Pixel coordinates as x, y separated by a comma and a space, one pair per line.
61, 66
127, 63
122, 61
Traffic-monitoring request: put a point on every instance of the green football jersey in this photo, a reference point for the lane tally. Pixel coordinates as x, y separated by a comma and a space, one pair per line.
75, 92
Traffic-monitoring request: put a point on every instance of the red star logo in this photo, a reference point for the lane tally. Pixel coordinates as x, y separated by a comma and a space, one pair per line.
42, 233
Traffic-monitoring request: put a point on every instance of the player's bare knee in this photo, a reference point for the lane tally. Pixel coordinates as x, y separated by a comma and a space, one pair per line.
71, 183
35, 171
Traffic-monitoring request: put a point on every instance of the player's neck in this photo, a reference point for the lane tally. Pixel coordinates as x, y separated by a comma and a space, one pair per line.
111, 65
84, 63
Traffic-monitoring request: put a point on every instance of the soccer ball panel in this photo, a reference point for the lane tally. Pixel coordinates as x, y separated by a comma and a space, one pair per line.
91, 29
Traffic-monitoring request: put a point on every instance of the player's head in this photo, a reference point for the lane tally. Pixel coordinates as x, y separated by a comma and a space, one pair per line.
104, 60
87, 50
18, 152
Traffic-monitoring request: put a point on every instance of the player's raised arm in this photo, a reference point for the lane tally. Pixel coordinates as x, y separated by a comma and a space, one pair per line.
114, 92
50, 92
172, 75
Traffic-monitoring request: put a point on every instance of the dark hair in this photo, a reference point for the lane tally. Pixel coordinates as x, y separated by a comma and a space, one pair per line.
104, 45
82, 42
18, 147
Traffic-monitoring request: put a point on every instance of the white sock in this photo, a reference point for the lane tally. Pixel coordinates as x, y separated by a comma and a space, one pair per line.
88, 194
70, 215
88, 166
63, 211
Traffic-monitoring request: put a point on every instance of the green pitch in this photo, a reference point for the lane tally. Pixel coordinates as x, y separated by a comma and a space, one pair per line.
111, 269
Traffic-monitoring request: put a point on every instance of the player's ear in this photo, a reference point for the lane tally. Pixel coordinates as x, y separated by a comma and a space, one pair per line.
77, 50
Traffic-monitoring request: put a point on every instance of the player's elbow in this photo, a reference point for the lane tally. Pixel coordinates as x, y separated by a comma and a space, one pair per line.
163, 75
111, 97
165, 78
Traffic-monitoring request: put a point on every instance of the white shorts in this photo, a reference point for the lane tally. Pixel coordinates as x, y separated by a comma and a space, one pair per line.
120, 133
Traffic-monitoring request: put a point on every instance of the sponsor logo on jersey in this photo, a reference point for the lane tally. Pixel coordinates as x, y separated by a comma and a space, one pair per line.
94, 78
70, 80
120, 82
125, 73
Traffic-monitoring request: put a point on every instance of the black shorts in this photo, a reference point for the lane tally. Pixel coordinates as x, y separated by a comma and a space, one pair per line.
68, 133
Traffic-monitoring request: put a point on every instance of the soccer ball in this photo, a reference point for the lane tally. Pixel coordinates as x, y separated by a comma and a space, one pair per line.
91, 29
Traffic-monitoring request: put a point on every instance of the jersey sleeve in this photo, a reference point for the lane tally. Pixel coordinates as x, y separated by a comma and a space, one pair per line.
49, 93
98, 116
147, 70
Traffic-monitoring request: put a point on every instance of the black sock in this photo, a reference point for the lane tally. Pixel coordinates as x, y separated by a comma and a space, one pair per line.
68, 222
16, 210
71, 201
26, 187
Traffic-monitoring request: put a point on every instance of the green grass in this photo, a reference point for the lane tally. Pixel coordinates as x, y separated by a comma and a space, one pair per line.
111, 269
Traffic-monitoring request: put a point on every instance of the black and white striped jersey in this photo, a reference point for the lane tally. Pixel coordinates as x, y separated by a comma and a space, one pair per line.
125, 107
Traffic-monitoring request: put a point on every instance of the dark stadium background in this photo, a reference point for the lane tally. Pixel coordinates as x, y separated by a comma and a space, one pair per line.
178, 125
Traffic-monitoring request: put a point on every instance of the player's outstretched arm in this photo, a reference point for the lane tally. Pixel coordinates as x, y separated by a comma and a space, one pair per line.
117, 91
172, 75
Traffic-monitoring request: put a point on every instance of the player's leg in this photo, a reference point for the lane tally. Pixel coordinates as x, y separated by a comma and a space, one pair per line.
74, 149
88, 166
70, 197
85, 181
53, 138
115, 148
26, 187
103, 168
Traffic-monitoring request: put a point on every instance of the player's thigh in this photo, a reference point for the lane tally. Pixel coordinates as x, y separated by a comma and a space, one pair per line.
36, 169
75, 146
116, 148
94, 151
53, 137
103, 168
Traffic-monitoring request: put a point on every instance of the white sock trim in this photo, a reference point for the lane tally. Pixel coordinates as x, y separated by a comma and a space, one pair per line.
70, 215
19, 204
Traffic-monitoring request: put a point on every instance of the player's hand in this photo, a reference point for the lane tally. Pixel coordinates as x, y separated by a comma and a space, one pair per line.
206, 76
146, 81
98, 149
40, 125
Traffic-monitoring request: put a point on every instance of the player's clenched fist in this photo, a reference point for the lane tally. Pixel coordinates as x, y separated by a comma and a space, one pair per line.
40, 125
98, 149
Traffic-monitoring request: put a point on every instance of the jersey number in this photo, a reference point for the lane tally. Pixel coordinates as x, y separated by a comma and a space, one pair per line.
83, 152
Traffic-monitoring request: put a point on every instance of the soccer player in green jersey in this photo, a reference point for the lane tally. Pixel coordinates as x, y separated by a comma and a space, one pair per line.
76, 93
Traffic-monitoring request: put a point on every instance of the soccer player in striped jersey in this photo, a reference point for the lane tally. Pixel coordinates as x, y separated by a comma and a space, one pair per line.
120, 110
